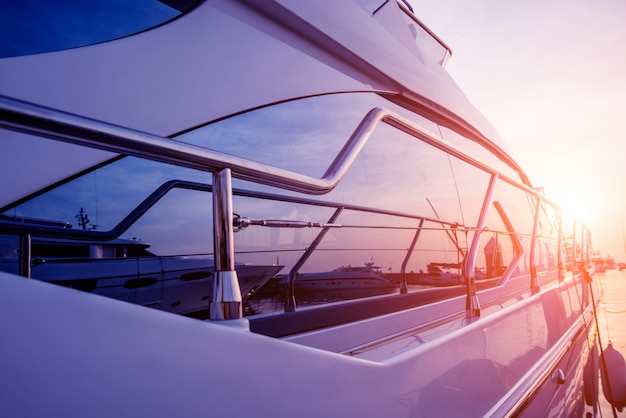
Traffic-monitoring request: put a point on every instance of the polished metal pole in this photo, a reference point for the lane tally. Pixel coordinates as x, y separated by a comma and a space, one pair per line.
25, 255
472, 305
226, 300
534, 280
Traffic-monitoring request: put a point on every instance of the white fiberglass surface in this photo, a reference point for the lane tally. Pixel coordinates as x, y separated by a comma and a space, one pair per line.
113, 348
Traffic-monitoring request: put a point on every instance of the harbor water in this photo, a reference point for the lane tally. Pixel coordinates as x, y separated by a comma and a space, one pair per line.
612, 320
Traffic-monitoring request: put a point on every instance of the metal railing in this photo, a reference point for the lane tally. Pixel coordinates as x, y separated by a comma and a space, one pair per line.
38, 120
41, 121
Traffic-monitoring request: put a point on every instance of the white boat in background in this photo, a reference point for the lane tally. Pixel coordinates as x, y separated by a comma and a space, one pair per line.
368, 276
598, 263
442, 274
279, 132
125, 269
609, 263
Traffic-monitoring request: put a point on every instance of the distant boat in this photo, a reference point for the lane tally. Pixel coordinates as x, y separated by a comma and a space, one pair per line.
439, 274
598, 263
368, 276
609, 263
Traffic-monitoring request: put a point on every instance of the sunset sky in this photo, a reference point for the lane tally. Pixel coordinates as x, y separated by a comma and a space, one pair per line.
551, 77
549, 74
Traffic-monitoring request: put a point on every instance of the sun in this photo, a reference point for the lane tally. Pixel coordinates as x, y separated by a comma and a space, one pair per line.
575, 204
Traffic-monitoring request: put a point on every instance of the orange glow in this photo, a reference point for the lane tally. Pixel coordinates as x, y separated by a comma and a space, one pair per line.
576, 205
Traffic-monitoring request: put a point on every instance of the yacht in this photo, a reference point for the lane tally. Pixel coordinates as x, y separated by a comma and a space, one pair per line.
280, 133
368, 276
124, 269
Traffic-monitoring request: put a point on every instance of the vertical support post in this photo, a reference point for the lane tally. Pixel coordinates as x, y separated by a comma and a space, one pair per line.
559, 254
290, 296
583, 243
573, 260
588, 247
226, 300
472, 305
403, 284
518, 249
25, 255
534, 281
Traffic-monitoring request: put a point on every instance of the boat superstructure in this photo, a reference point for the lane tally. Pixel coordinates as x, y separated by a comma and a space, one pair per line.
304, 135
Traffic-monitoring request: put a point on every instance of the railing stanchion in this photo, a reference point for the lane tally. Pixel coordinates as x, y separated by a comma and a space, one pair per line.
290, 296
472, 305
25, 255
403, 283
226, 300
534, 280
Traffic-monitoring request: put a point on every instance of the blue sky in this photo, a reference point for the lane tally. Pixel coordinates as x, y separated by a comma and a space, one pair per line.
550, 77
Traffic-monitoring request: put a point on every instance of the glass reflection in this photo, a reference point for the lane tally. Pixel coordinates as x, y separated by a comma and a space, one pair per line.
106, 195
408, 210
27, 28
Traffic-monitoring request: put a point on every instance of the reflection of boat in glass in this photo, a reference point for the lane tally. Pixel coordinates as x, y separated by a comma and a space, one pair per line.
126, 270
440, 274
283, 130
368, 276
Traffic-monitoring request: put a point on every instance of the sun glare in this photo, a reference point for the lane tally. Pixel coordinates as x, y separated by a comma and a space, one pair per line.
576, 205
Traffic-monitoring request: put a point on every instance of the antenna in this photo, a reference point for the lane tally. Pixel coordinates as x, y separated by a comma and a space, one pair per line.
83, 219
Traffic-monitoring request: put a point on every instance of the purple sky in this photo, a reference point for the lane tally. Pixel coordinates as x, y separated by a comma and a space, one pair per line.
550, 76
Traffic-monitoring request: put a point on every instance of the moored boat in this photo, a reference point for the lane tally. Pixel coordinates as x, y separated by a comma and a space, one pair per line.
368, 276
609, 263
440, 274
124, 269
598, 262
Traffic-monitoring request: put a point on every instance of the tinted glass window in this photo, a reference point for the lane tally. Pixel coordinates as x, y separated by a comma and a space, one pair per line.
403, 204
36, 26
519, 209
105, 196
394, 172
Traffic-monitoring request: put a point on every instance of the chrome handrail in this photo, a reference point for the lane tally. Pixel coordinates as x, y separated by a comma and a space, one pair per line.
226, 301
33, 119
161, 191
407, 257
534, 280
518, 250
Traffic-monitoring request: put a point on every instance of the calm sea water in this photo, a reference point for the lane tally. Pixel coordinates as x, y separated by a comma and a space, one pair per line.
612, 320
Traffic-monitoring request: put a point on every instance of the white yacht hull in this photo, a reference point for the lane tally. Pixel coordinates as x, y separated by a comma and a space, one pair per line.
118, 359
